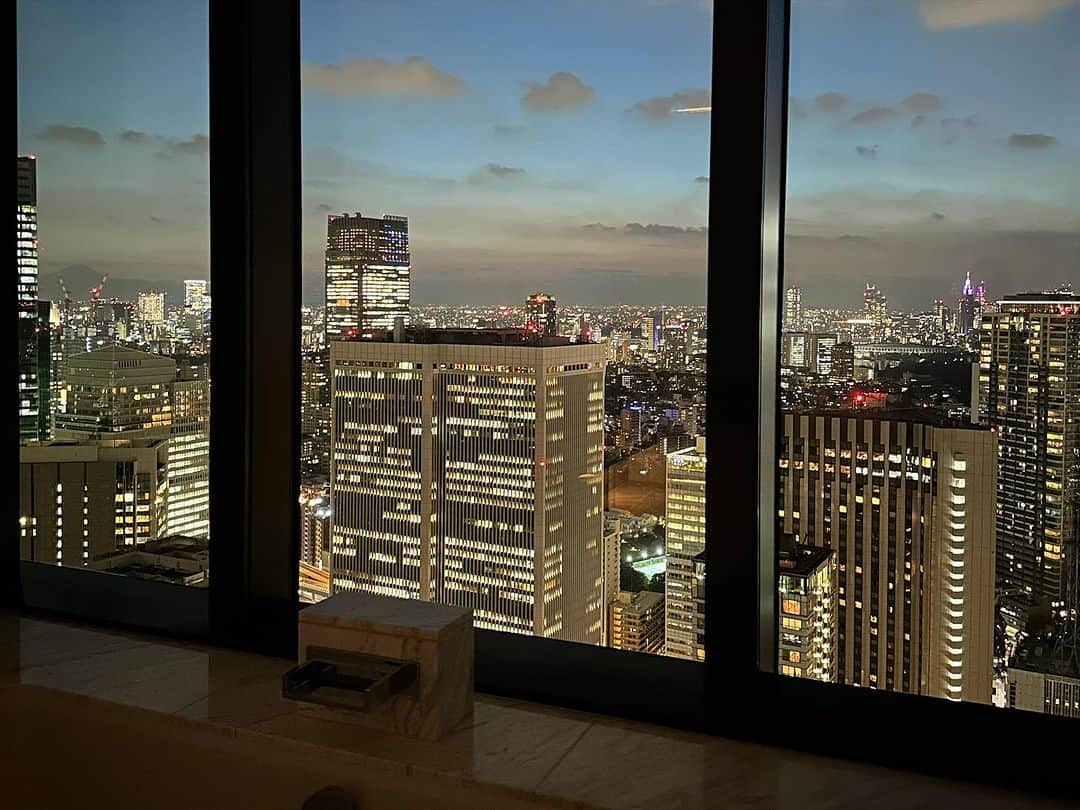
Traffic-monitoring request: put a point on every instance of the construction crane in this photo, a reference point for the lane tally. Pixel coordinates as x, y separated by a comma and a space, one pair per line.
95, 290
65, 307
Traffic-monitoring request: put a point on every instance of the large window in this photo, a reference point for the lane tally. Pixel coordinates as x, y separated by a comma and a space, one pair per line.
114, 337
929, 443
503, 367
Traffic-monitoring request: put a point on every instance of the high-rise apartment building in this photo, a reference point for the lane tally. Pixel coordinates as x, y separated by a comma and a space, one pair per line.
684, 507
467, 468
368, 275
541, 315
1029, 392
908, 509
26, 285
806, 624
78, 501
637, 622
792, 309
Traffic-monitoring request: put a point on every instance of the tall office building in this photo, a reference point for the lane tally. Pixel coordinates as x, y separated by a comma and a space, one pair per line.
908, 509
684, 507
541, 315
26, 270
368, 275
795, 350
78, 501
314, 524
189, 458
44, 357
967, 309
842, 361
150, 313
637, 622
196, 296
467, 468
1029, 392
116, 392
876, 311
806, 624
792, 309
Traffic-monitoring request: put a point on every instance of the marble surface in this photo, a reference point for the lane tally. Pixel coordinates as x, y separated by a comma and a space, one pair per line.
533, 754
385, 614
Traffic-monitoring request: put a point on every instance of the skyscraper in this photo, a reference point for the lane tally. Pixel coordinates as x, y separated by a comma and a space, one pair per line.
151, 313
189, 458
1029, 392
541, 315
26, 270
967, 309
368, 274
908, 509
196, 296
876, 309
684, 507
467, 468
792, 309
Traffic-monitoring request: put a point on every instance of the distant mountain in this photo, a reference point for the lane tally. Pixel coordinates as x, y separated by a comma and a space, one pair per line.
79, 278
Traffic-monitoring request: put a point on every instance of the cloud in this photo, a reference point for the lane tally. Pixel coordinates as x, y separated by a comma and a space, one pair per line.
77, 136
703, 180
918, 120
598, 227
1031, 140
872, 115
323, 207
197, 144
968, 13
796, 111
867, 151
922, 102
159, 220
831, 101
637, 229
497, 171
660, 108
937, 216
562, 91
415, 76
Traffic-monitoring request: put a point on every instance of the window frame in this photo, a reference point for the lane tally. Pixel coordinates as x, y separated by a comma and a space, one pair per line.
255, 193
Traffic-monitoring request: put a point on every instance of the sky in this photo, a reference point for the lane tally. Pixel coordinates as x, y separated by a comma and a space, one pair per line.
535, 144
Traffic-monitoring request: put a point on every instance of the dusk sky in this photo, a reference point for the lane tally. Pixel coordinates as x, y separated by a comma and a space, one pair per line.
534, 144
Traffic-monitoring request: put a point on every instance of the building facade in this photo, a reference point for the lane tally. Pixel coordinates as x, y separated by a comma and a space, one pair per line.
27, 321
806, 624
368, 275
1029, 392
541, 315
637, 622
78, 501
684, 506
467, 468
908, 510
189, 458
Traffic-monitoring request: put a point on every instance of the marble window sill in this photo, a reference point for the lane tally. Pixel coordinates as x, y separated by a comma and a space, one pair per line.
509, 753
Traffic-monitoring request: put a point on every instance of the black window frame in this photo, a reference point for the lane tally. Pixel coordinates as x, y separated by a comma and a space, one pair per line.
255, 184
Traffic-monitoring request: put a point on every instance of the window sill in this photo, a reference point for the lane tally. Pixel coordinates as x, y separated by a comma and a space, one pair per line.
188, 724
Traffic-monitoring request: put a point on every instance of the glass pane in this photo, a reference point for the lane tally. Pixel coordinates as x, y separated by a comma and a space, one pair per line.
504, 352
113, 297
929, 462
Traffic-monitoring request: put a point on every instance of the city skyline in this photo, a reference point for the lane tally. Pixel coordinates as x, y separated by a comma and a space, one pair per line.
952, 154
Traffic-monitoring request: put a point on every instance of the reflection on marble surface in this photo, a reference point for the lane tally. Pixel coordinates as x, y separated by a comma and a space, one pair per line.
595, 761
